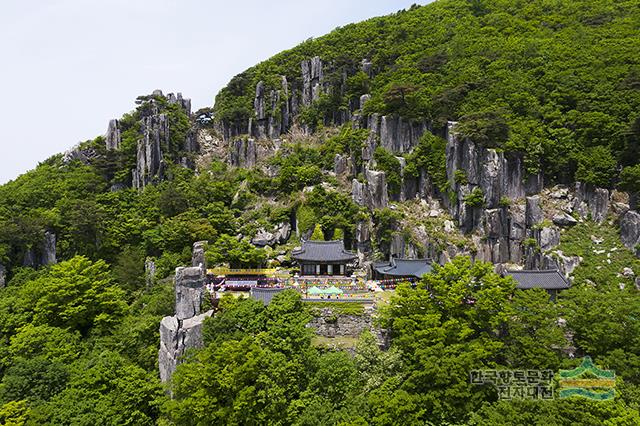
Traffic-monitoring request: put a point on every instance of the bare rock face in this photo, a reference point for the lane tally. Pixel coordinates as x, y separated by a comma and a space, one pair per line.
3, 276
312, 76
48, 253
189, 284
534, 214
113, 138
198, 258
398, 135
591, 201
377, 188
340, 165
149, 161
363, 238
630, 229
176, 336
244, 153
549, 238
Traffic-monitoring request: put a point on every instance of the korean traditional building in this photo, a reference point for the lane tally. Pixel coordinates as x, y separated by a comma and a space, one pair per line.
323, 258
401, 269
550, 280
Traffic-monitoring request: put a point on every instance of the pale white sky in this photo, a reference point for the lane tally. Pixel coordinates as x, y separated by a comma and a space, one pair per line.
68, 66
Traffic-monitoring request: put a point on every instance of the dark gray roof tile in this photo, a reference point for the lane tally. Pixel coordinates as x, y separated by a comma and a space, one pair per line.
550, 279
323, 251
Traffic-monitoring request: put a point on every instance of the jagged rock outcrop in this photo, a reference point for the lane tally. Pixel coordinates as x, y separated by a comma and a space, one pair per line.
183, 330
340, 164
48, 252
198, 258
377, 189
113, 138
630, 230
590, 201
184, 103
243, 153
189, 284
549, 238
373, 193
312, 76
534, 214
265, 238
176, 336
363, 239
399, 135
149, 160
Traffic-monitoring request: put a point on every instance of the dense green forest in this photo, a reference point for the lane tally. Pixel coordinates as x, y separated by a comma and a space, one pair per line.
557, 80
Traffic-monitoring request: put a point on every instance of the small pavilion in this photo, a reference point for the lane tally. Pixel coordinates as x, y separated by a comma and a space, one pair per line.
323, 258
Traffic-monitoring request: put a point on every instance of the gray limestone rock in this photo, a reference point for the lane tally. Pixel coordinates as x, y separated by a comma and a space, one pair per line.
377, 188
48, 252
398, 135
176, 336
591, 201
189, 283
340, 165
113, 138
630, 229
534, 214
244, 153
564, 219
198, 258
149, 159
363, 100
149, 272
363, 237
358, 194
29, 258
549, 238
311, 80
494, 223
184, 103
280, 235
366, 67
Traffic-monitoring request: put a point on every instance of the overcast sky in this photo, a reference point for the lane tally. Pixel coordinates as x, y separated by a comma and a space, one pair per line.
68, 66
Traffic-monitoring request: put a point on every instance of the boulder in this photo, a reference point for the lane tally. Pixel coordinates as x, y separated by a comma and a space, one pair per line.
630, 229
564, 219
189, 288
280, 235
591, 201
534, 214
